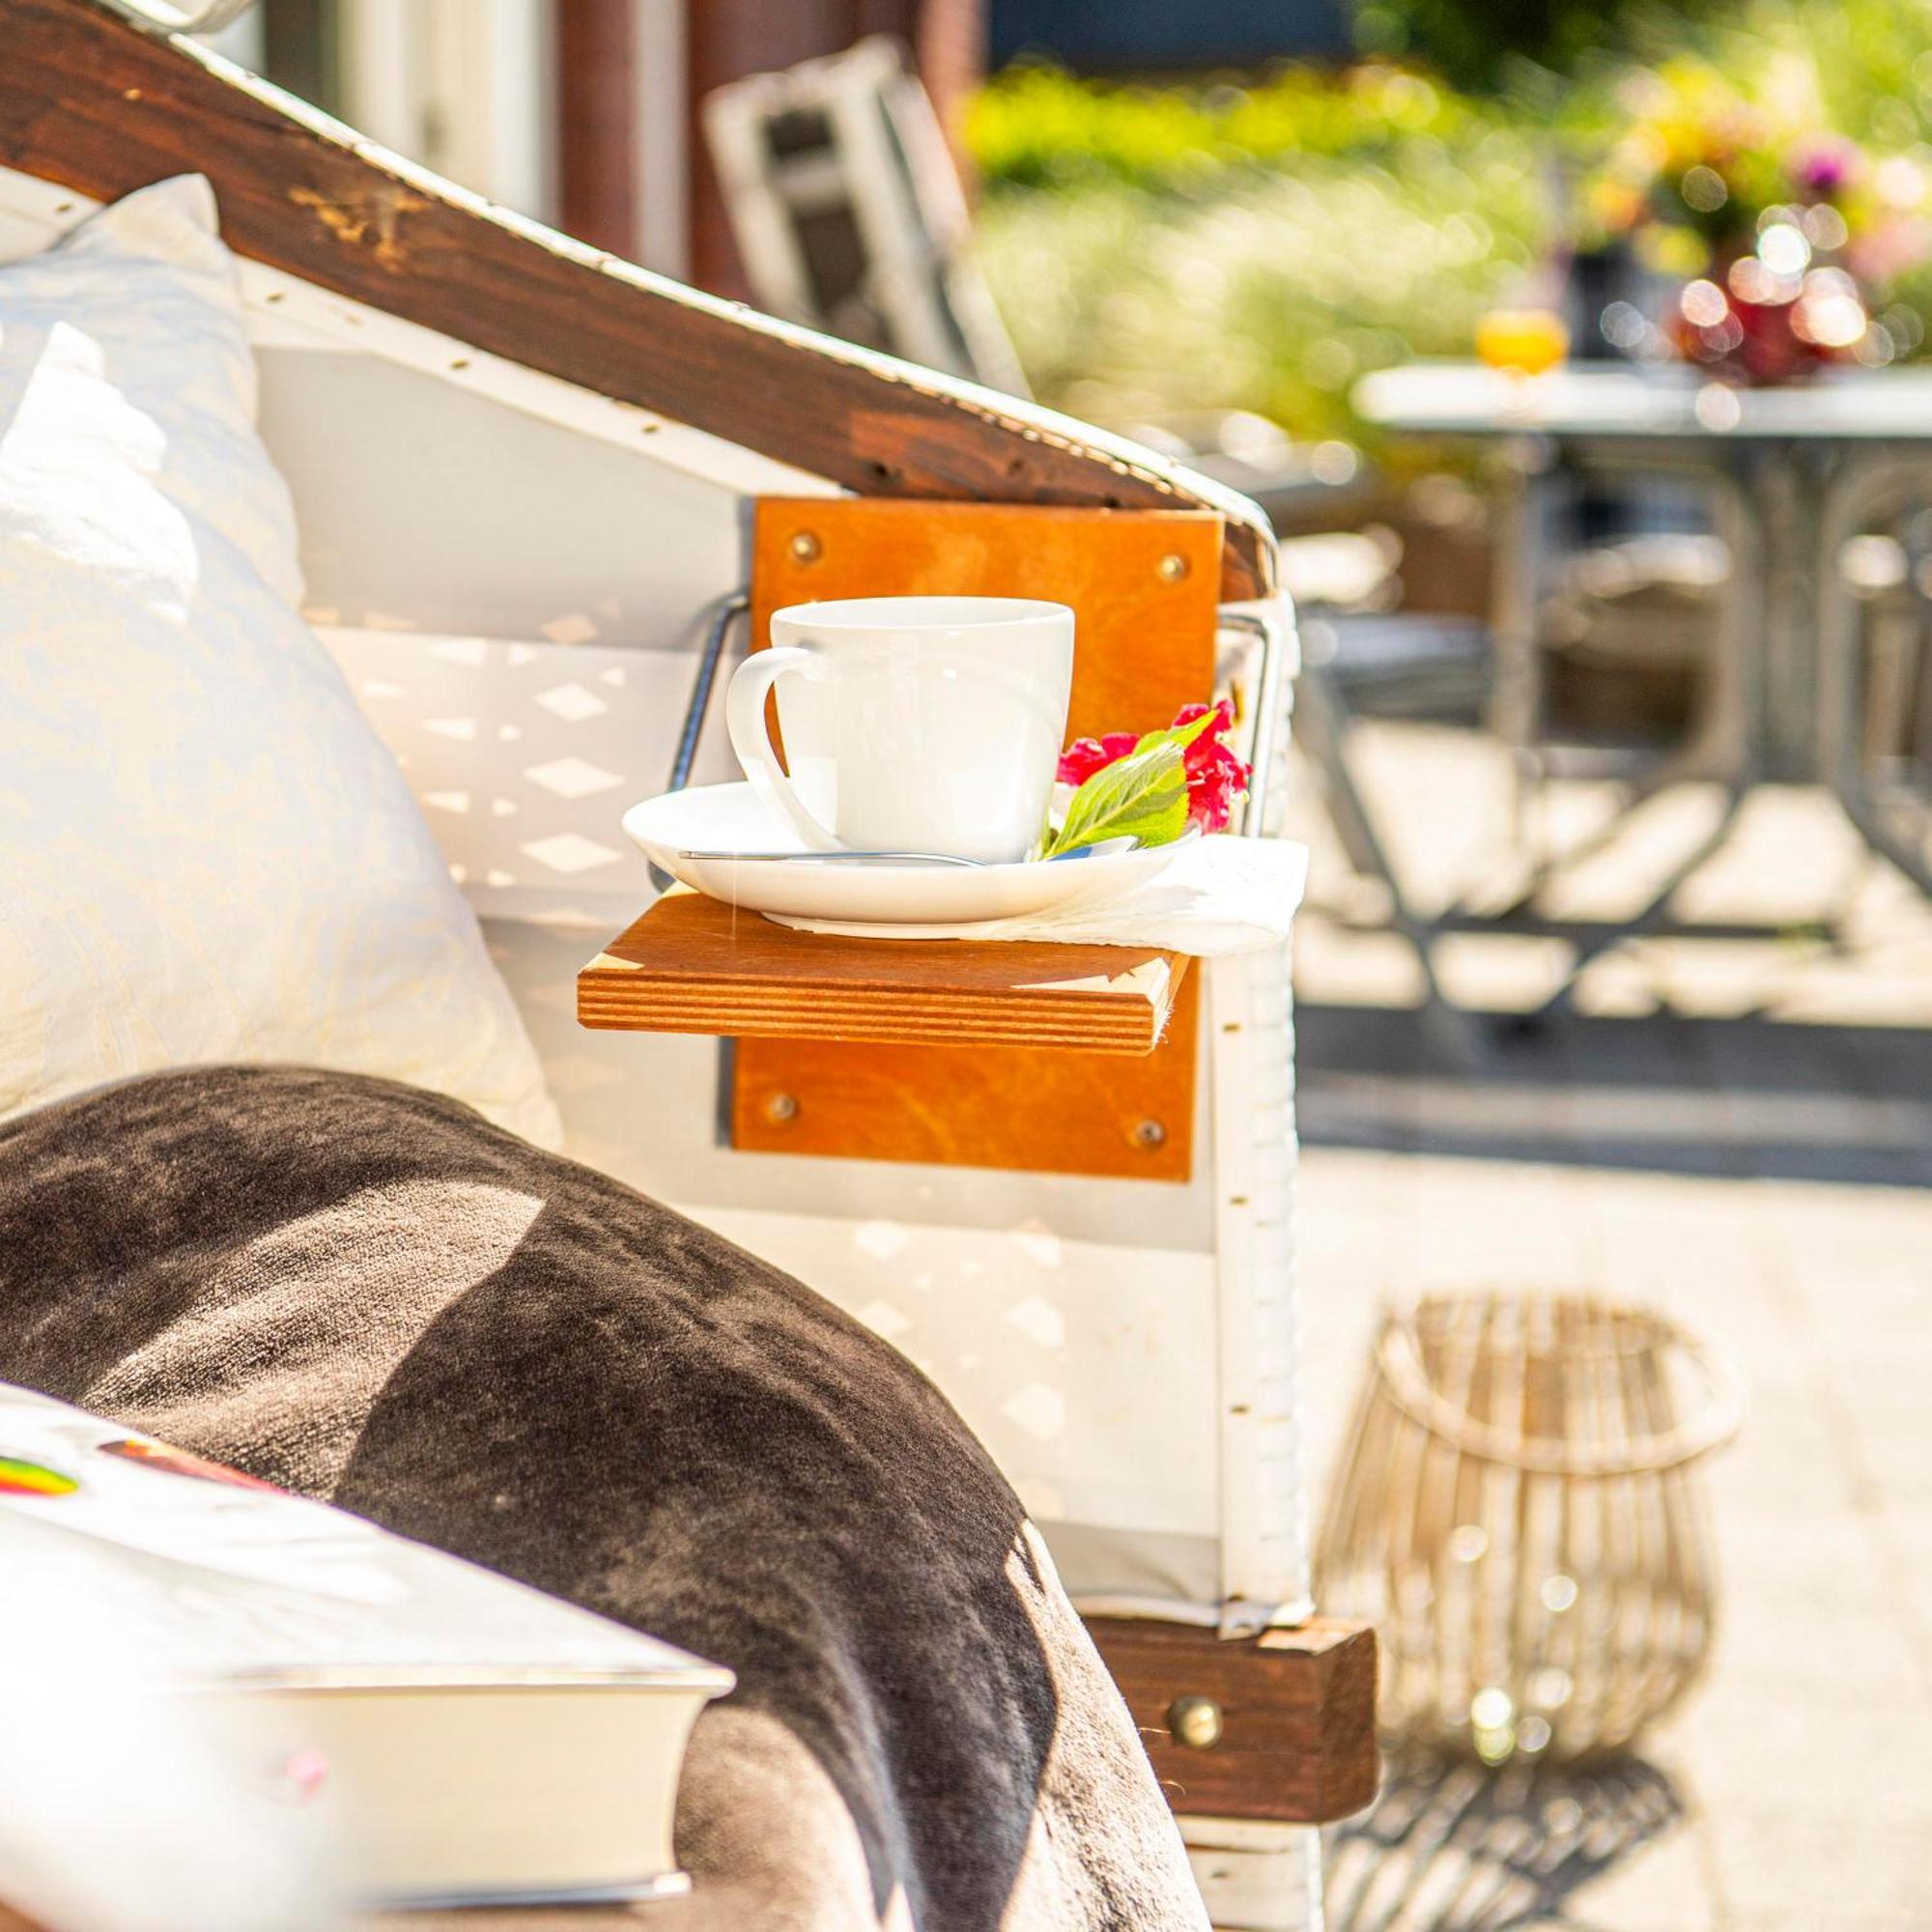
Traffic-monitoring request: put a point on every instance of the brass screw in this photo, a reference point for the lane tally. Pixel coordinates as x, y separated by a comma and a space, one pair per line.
806, 548
1195, 1722
1149, 1134
1172, 568
779, 1108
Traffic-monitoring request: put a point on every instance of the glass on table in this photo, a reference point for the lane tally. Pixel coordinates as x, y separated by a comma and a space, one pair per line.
1523, 345
1526, 341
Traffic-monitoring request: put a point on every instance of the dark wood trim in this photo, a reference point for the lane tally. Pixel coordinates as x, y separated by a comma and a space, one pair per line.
596, 120
98, 105
1298, 1710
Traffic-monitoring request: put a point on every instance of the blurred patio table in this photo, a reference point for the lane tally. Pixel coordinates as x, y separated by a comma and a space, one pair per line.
1792, 471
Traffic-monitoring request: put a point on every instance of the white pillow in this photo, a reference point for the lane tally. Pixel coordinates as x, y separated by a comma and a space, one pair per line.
205, 853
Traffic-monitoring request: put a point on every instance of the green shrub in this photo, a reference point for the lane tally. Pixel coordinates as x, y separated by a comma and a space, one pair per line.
1166, 250
1485, 44
1036, 126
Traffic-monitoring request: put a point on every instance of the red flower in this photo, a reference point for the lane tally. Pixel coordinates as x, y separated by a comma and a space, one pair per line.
1216, 777
1085, 757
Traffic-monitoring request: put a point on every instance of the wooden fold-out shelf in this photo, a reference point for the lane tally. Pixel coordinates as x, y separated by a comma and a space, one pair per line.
693, 964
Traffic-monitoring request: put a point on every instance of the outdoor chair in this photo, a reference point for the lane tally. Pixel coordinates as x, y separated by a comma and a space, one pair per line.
1627, 630
849, 216
1890, 577
848, 213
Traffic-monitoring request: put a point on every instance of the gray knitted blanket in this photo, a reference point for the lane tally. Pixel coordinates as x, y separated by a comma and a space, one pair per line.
367, 1295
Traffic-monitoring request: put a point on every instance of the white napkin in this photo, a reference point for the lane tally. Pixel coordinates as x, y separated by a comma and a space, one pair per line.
1219, 894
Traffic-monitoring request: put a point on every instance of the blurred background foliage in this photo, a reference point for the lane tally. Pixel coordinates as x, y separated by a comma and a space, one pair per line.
1168, 249
1259, 243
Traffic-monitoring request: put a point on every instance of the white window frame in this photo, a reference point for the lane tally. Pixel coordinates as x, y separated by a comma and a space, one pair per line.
466, 87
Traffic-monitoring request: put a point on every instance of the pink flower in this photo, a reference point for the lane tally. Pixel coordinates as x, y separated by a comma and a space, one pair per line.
1212, 786
1216, 777
1085, 757
1826, 168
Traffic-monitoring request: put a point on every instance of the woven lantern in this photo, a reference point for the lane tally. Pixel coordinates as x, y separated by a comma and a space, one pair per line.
1520, 1512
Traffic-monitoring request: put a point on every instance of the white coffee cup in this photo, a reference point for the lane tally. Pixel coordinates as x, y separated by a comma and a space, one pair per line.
910, 724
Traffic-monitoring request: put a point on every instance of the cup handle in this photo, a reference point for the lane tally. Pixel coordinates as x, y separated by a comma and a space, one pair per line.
745, 719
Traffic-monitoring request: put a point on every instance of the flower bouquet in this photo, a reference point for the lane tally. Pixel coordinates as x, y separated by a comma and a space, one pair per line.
1783, 237
1156, 787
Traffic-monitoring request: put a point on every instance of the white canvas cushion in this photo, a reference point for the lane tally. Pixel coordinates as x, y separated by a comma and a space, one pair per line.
205, 853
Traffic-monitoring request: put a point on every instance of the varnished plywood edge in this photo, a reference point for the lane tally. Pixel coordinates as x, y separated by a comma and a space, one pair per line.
844, 1032
1120, 1014
1126, 1030
1151, 981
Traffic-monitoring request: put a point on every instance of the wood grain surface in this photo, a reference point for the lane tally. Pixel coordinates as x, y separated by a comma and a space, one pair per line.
1298, 1742
92, 102
1142, 584
1047, 1111
693, 964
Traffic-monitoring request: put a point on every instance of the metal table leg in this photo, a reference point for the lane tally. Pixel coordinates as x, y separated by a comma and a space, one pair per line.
1320, 719
1863, 488
1728, 742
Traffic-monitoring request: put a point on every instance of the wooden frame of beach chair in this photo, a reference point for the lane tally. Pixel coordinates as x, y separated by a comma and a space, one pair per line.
534, 483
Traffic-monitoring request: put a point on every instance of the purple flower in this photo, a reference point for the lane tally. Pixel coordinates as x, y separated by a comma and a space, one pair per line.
1823, 168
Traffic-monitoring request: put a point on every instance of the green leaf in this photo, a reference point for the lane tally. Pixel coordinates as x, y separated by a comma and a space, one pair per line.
1142, 796
1179, 736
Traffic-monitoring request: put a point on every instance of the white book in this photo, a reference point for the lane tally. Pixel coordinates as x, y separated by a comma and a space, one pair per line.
459, 1737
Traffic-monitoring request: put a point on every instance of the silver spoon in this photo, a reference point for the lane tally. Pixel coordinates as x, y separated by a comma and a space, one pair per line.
1102, 849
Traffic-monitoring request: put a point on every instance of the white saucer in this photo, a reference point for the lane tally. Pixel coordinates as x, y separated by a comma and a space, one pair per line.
882, 897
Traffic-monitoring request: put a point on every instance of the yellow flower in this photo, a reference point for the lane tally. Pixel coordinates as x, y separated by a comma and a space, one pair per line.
1613, 205
1670, 251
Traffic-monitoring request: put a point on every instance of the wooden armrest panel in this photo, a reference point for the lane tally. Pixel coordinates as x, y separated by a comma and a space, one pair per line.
1296, 1711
